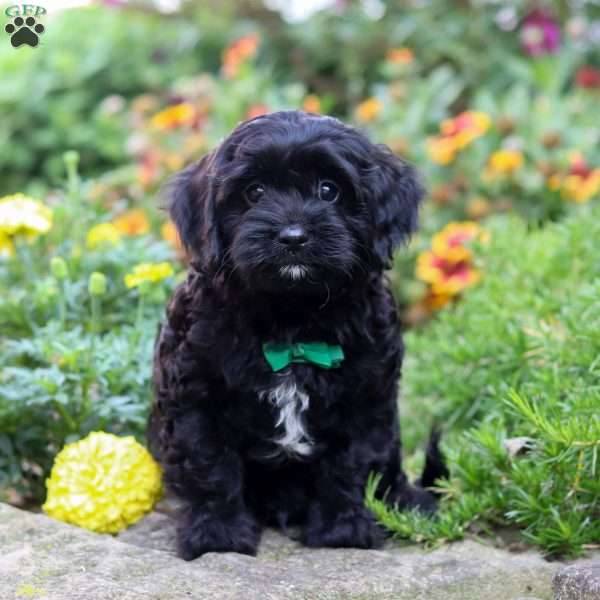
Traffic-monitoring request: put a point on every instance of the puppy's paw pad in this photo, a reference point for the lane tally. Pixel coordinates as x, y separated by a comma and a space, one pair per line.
357, 529
203, 533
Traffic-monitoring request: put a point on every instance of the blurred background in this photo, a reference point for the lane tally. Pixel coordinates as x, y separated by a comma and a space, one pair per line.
496, 102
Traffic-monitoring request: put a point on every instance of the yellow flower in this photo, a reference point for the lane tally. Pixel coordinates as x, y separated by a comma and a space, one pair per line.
312, 104
368, 110
103, 234
400, 56
505, 161
177, 115
133, 222
442, 150
6, 246
23, 215
148, 272
103, 482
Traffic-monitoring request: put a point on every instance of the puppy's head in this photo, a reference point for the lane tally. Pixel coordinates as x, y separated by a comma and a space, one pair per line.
295, 202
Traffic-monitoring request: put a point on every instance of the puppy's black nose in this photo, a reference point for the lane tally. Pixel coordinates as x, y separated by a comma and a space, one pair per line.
293, 236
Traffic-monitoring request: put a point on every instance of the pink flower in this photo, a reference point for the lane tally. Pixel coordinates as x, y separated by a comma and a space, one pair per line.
540, 33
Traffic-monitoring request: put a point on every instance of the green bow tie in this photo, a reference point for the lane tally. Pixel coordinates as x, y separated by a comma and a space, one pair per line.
321, 354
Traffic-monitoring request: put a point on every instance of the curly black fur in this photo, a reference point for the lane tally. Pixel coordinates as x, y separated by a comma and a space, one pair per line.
212, 426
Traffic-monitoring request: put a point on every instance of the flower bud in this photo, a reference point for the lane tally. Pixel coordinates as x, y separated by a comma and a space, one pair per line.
71, 158
59, 268
97, 284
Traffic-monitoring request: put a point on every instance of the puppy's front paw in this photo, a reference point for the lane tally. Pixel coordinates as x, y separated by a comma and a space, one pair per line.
352, 529
201, 532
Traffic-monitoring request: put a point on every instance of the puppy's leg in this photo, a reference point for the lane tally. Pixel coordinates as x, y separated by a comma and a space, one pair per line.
208, 476
337, 517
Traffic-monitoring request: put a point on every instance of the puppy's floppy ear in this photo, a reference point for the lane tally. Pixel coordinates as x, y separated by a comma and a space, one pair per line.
395, 191
191, 205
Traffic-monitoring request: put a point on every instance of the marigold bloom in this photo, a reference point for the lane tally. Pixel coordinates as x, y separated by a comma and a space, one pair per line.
23, 215
148, 272
451, 240
101, 235
312, 104
174, 116
400, 56
103, 483
238, 53
457, 134
580, 184
446, 275
448, 266
504, 162
133, 222
442, 150
368, 110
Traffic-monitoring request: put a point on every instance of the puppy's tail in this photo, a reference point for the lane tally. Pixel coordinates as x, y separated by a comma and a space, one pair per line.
435, 463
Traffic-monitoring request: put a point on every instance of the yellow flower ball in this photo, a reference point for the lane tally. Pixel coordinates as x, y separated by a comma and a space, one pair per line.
103, 482
23, 215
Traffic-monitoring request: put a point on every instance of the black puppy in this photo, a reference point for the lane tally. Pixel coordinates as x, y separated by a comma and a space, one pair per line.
276, 373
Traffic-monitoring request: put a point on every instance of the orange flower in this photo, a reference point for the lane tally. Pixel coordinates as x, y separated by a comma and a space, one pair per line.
312, 104
580, 184
368, 110
442, 150
448, 267
133, 222
238, 53
446, 276
450, 241
174, 116
256, 110
457, 134
169, 233
400, 56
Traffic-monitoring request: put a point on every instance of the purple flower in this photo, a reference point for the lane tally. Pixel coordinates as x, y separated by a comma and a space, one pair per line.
540, 33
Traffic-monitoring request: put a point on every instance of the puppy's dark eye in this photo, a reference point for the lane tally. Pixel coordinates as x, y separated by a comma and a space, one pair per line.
328, 191
254, 193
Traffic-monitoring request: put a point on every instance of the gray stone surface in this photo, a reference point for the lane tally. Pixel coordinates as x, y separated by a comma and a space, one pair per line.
580, 581
47, 560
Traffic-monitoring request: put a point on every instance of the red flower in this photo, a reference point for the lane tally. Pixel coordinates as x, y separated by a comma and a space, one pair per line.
588, 77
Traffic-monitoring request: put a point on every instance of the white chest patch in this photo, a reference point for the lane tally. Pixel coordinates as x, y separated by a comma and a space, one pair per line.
291, 402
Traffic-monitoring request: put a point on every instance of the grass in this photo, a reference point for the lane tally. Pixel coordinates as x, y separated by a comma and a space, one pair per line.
513, 373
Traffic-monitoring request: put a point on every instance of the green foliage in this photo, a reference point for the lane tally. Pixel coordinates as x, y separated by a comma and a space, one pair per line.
76, 345
71, 92
517, 364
